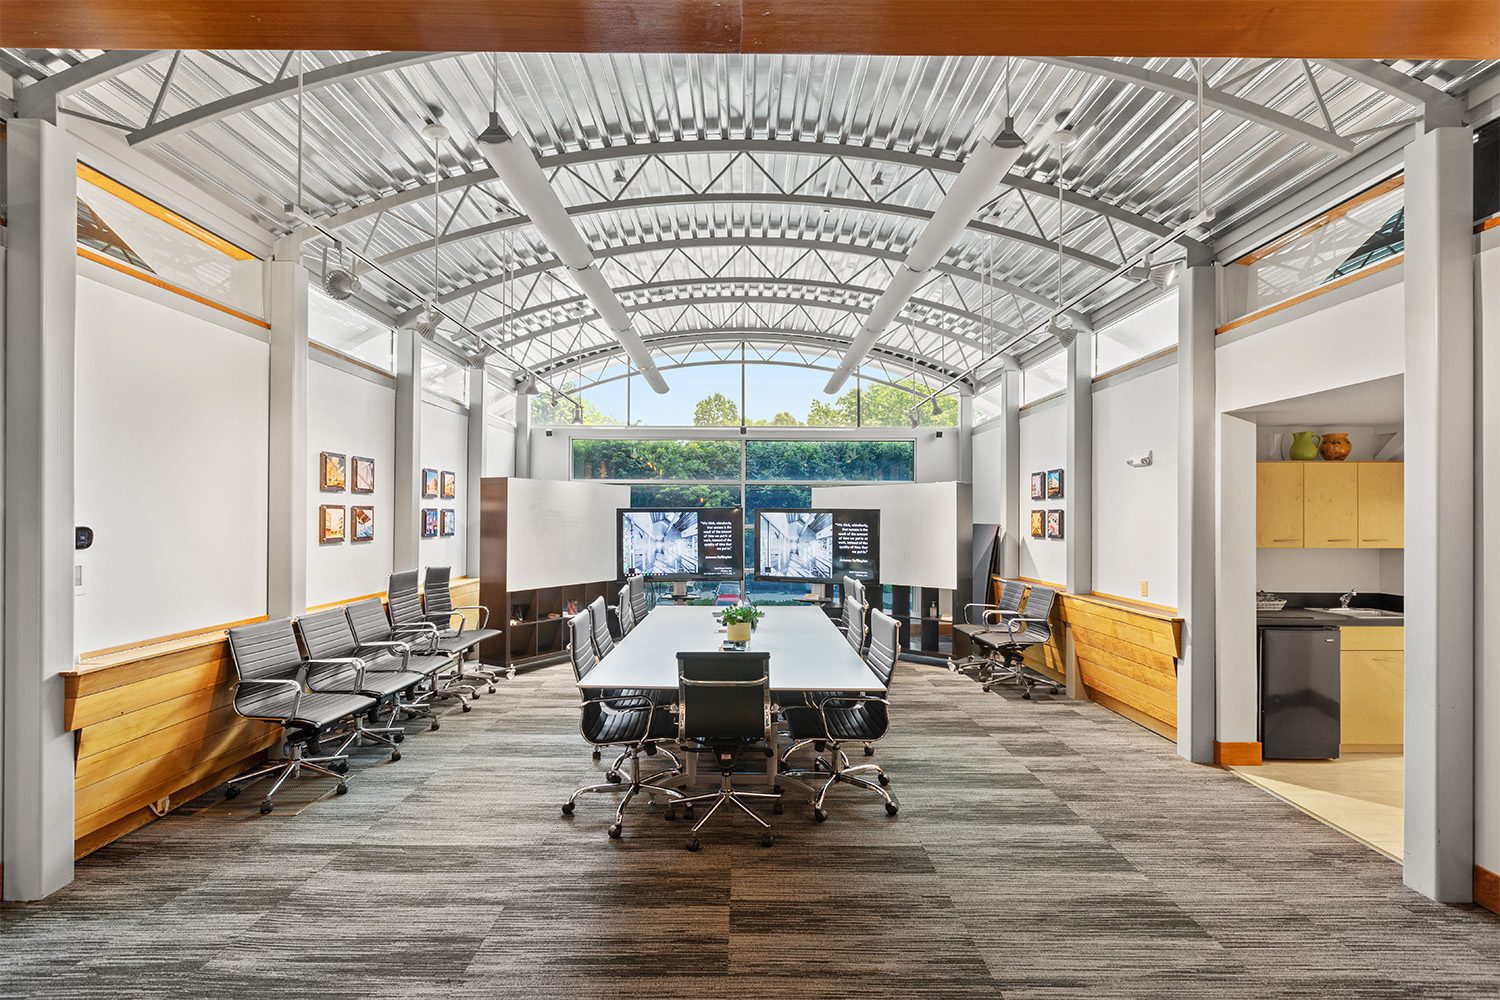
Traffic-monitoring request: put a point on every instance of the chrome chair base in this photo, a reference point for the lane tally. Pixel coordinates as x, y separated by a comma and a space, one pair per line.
635, 786
726, 793
292, 767
844, 772
1014, 670
362, 734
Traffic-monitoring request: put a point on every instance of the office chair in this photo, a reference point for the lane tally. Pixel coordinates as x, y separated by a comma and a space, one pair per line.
622, 612
328, 639
371, 628
855, 606
849, 717
607, 719
726, 707
410, 622
604, 643
639, 608
1012, 637
984, 617
437, 606
270, 686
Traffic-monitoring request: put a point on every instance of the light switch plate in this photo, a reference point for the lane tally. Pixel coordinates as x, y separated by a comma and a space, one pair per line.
1143, 588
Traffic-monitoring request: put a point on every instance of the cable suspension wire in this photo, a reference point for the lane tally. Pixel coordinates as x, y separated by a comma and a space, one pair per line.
299, 128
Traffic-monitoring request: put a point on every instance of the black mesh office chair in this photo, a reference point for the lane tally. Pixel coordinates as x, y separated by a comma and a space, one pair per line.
410, 621
329, 639
1007, 644
607, 719
726, 708
372, 628
437, 605
979, 618
850, 717
271, 686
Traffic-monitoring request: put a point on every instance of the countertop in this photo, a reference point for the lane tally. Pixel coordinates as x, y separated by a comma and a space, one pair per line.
1306, 618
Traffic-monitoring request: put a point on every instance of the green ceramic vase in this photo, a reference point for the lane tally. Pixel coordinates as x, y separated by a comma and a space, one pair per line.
1304, 446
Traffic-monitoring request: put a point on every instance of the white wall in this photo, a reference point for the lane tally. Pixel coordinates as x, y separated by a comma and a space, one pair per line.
1285, 571
171, 467
500, 449
1135, 510
1487, 538
919, 528
1043, 446
445, 446
989, 473
353, 416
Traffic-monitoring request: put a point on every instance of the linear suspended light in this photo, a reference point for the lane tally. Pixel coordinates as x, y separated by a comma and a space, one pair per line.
983, 170
516, 166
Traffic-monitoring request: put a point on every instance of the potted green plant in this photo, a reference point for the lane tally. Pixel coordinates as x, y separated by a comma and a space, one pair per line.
741, 620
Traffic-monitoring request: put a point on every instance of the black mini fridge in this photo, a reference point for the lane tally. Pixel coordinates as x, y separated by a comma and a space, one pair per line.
1299, 693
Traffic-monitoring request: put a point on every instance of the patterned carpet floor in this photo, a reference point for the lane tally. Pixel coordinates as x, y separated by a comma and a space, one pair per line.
1044, 849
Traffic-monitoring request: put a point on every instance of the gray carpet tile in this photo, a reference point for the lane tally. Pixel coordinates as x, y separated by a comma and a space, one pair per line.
1044, 849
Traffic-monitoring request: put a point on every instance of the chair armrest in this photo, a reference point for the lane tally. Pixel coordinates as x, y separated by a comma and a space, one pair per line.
484, 621
1010, 625
446, 621
403, 648
969, 612
427, 628
354, 661
278, 682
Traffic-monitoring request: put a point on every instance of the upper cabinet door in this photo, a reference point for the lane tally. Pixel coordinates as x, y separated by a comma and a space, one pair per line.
1278, 505
1332, 505
1382, 505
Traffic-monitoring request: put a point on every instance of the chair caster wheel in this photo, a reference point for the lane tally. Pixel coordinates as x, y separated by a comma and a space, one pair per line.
597, 755
567, 808
766, 840
692, 844
820, 814
670, 814
869, 751
984, 687
613, 777
884, 779
614, 831
468, 707
435, 727
778, 809
231, 792
399, 738
651, 750
891, 808
687, 813
342, 788
1025, 695
476, 695
768, 752
266, 807
395, 755
492, 689
342, 767
1056, 689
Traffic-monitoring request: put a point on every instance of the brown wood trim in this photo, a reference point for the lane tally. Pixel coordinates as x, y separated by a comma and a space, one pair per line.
350, 600
1314, 293
1136, 363
159, 211
1487, 889
1237, 754
1415, 29
144, 647
151, 279
1129, 604
1044, 583
1160, 728
1489, 223
353, 361
1046, 398
1336, 212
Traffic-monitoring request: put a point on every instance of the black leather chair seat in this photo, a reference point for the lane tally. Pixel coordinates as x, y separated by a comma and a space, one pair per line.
317, 710
627, 726
867, 721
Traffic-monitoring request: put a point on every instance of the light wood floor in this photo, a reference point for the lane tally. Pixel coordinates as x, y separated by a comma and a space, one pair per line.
1359, 794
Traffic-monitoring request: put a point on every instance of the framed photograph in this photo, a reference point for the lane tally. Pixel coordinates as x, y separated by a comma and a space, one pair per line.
430, 483
1054, 484
332, 474
450, 485
330, 523
1054, 524
450, 520
1038, 524
364, 475
364, 523
1038, 486
429, 522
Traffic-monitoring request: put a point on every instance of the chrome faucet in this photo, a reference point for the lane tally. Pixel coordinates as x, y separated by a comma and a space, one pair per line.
1344, 601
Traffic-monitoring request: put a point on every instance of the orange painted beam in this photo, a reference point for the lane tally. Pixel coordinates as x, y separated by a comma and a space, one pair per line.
1389, 29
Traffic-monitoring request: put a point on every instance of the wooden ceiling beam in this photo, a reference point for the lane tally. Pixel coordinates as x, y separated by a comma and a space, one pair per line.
1312, 29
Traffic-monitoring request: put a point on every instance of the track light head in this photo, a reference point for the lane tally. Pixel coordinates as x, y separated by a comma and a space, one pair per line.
340, 284
1064, 334
1164, 276
427, 325
578, 413
619, 177
937, 408
915, 420
878, 181
1141, 270
1009, 138
527, 385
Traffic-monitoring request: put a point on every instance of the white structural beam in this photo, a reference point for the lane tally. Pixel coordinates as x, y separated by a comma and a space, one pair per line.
406, 484
1079, 464
1197, 472
1439, 108
1187, 90
982, 171
287, 479
39, 100
479, 431
1440, 357
235, 104
516, 166
36, 748
1010, 542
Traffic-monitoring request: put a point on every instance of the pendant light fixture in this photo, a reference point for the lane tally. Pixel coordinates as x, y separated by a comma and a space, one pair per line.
435, 132
1063, 138
1009, 138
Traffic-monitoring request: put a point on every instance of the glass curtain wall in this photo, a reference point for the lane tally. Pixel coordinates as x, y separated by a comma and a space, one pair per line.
674, 474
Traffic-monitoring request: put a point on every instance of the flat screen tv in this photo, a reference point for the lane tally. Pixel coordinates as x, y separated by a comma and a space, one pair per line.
817, 546
706, 543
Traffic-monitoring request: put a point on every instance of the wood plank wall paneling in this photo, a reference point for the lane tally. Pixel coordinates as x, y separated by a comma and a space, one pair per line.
1237, 754
1487, 889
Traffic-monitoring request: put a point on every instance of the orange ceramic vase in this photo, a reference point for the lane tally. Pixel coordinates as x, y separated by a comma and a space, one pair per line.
1335, 447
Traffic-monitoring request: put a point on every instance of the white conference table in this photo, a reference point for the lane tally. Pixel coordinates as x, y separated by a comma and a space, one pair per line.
808, 652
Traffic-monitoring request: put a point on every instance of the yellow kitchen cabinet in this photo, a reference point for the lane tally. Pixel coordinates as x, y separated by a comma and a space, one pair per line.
1382, 505
1330, 512
1372, 694
1278, 505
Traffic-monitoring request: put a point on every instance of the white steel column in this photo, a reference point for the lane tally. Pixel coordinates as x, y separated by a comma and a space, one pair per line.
478, 436
1078, 485
1440, 358
965, 433
36, 788
523, 435
288, 458
406, 532
1010, 539
1197, 469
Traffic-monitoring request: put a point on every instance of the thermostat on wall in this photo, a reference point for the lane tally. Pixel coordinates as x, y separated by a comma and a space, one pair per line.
83, 537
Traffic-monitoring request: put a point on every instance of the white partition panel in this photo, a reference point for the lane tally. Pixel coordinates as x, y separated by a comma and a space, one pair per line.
562, 532
919, 528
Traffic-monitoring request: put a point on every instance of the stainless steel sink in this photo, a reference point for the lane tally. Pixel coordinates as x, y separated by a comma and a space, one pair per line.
1360, 612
